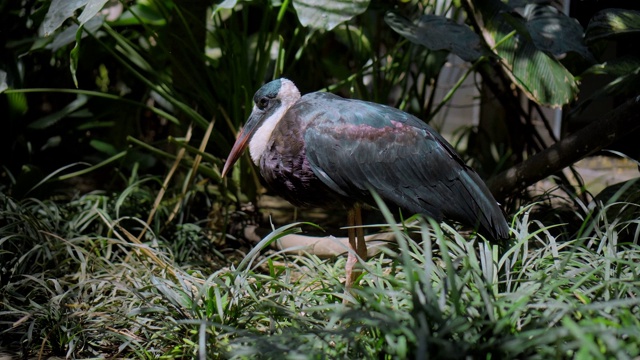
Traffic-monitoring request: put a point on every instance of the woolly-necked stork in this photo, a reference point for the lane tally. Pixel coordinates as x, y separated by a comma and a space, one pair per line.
322, 150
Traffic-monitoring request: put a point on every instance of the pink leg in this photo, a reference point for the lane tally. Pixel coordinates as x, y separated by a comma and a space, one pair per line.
357, 246
361, 246
352, 259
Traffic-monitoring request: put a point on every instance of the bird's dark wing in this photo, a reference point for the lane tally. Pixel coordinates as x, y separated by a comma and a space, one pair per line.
355, 145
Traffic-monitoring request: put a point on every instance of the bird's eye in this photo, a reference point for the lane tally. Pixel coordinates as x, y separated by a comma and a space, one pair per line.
262, 103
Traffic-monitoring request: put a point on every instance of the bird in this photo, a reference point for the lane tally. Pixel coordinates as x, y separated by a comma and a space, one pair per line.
323, 150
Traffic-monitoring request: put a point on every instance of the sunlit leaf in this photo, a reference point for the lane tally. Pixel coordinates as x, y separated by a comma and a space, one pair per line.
90, 10
225, 4
59, 11
612, 22
327, 14
616, 67
626, 74
541, 77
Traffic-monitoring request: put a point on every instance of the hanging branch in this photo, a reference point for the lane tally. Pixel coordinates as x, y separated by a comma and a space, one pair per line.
590, 139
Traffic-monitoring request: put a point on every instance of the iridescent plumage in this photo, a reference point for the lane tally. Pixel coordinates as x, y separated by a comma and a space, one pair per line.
325, 151
322, 150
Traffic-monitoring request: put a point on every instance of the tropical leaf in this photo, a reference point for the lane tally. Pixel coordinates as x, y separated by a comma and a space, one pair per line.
327, 14
90, 10
540, 76
439, 33
612, 22
68, 35
616, 67
626, 74
59, 11
605, 25
554, 32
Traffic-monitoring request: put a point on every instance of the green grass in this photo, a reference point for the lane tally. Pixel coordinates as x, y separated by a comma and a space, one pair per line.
75, 284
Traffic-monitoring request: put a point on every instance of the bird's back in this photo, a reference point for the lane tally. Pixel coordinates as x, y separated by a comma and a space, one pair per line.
353, 146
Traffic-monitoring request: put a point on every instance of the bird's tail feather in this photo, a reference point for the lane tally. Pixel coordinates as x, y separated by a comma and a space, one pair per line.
482, 211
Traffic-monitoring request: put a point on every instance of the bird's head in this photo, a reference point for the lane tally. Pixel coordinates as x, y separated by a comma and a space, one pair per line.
271, 102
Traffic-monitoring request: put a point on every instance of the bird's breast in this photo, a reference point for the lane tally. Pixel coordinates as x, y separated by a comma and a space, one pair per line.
286, 170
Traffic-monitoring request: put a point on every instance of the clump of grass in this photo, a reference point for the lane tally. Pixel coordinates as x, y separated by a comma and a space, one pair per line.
445, 297
75, 285
73, 282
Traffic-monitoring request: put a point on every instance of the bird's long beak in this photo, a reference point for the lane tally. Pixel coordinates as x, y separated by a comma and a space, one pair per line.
241, 143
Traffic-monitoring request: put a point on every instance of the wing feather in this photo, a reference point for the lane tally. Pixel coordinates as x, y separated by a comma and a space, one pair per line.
354, 145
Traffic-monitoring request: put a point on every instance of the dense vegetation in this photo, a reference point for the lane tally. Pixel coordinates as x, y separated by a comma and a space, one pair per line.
119, 239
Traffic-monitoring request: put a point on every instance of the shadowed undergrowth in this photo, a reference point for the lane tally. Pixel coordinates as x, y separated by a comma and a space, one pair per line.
75, 284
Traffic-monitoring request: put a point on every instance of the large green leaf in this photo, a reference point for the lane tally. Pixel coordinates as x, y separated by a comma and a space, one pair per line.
327, 14
439, 33
617, 67
61, 10
626, 74
540, 76
612, 22
68, 35
554, 32
90, 10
